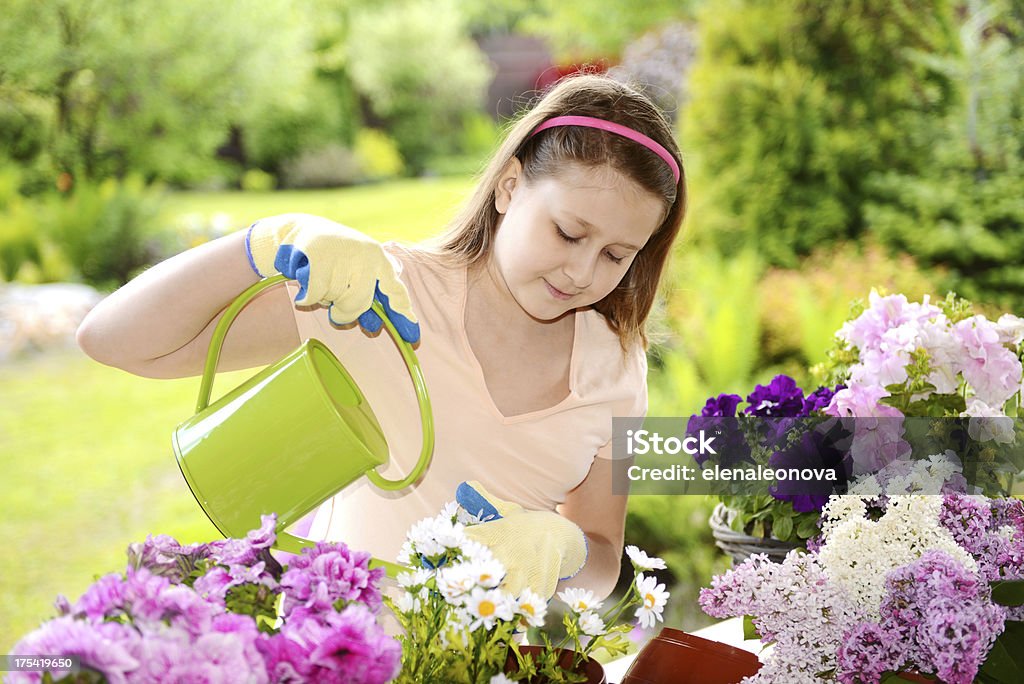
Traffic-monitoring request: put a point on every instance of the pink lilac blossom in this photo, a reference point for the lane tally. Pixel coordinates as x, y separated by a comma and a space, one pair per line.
793, 604
327, 573
944, 614
868, 651
980, 526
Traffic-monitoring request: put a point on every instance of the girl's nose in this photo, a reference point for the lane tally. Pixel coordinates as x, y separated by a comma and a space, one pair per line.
580, 269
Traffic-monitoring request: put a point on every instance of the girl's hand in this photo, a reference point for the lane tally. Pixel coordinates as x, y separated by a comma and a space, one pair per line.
335, 266
537, 548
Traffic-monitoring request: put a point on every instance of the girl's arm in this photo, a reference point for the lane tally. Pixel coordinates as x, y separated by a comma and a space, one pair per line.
160, 324
602, 517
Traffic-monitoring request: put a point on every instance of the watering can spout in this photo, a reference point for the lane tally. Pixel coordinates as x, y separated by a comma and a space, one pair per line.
288, 438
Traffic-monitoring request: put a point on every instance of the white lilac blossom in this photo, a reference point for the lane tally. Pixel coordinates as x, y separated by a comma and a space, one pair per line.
859, 552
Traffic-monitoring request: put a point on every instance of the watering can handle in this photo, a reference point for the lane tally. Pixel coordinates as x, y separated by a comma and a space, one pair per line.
408, 355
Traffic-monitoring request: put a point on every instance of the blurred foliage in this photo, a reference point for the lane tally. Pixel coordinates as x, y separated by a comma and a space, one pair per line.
801, 309
712, 305
965, 209
109, 230
578, 31
795, 103
146, 87
421, 72
378, 155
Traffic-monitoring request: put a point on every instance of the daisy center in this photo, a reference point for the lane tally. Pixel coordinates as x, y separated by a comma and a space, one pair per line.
527, 608
649, 600
486, 608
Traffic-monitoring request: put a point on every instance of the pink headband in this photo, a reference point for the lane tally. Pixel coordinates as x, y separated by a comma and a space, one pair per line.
617, 129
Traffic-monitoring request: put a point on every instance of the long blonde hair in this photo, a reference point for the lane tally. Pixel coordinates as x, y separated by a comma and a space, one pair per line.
470, 235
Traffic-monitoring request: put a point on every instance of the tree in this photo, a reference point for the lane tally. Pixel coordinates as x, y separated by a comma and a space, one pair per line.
965, 211
149, 86
422, 74
795, 104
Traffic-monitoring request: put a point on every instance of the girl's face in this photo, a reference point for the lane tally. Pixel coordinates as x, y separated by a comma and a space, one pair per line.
564, 243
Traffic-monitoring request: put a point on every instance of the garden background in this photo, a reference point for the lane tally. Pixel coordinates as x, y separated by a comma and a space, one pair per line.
830, 148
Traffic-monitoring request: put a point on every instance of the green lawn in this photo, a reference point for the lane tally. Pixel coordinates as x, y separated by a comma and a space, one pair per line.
402, 210
86, 453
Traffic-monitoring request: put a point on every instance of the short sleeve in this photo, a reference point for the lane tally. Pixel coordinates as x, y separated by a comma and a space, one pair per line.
633, 408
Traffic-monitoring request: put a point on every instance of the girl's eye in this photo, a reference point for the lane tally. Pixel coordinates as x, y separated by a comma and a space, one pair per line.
568, 238
615, 259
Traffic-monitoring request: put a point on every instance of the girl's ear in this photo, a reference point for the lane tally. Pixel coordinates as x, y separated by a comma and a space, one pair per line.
506, 184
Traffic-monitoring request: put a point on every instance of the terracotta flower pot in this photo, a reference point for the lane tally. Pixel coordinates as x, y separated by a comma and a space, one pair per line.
675, 657
592, 669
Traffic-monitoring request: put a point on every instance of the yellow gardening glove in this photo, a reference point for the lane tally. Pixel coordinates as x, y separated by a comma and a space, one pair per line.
537, 548
336, 266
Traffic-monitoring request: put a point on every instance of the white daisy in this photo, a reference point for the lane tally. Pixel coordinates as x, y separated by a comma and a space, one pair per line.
654, 598
474, 551
487, 574
591, 623
500, 679
414, 578
579, 600
642, 561
486, 607
532, 607
455, 581
408, 603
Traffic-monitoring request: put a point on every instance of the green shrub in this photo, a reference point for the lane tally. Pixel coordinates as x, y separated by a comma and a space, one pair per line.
256, 180
109, 231
421, 73
377, 155
801, 309
965, 211
329, 166
794, 104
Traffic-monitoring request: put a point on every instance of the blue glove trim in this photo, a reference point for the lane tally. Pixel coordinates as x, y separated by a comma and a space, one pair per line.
586, 555
475, 503
371, 322
293, 263
248, 250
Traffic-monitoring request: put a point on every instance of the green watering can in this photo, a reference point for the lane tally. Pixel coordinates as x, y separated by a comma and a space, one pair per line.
288, 438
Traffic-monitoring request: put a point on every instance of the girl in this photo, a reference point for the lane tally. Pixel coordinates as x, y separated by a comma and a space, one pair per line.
530, 318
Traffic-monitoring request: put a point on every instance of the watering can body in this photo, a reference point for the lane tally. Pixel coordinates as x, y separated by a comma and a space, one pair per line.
286, 439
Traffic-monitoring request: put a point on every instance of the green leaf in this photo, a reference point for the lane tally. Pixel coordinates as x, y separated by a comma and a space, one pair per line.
782, 528
749, 630
1005, 661
808, 528
1008, 592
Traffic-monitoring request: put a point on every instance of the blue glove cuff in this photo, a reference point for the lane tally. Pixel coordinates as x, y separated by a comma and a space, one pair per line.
473, 502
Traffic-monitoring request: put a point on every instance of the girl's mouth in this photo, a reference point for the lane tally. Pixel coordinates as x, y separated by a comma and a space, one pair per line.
556, 293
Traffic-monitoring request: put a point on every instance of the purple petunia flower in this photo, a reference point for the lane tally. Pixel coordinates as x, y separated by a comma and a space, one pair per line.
327, 573
780, 399
819, 399
96, 649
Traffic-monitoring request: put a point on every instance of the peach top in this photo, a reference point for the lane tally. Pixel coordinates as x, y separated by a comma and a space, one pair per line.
534, 458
